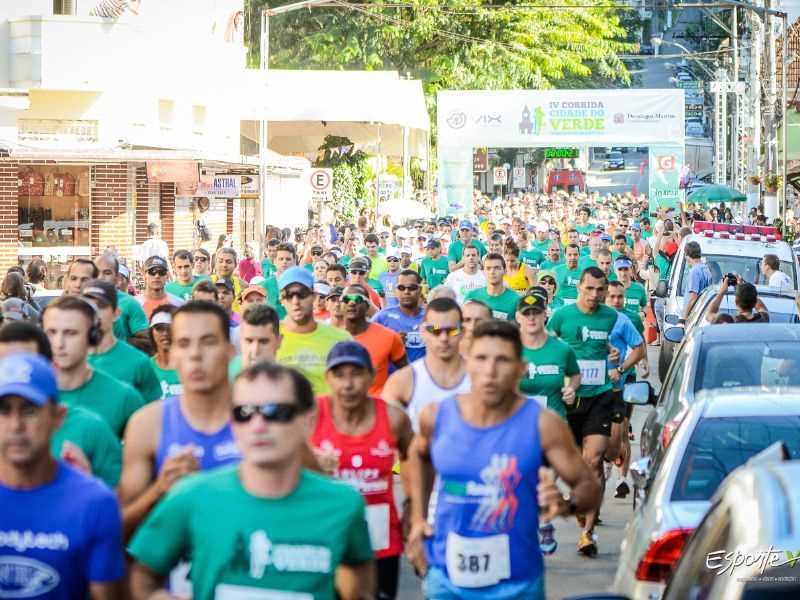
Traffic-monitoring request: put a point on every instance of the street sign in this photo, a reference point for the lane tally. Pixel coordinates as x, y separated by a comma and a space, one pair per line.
321, 185
689, 85
518, 178
500, 176
480, 160
727, 86
694, 111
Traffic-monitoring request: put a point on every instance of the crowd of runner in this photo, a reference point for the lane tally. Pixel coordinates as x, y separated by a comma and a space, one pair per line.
462, 377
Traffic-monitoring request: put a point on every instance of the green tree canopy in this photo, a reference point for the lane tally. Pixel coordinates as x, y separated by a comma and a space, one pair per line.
454, 44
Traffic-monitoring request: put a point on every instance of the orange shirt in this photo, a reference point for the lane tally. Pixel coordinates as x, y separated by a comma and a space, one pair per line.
383, 345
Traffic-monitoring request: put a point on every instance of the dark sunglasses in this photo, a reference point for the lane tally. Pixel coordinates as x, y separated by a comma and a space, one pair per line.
273, 412
437, 331
411, 288
547, 281
353, 299
302, 294
357, 272
200, 259
316, 253
392, 259
158, 272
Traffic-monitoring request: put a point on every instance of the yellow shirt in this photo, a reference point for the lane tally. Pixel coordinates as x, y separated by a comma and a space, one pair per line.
517, 282
307, 352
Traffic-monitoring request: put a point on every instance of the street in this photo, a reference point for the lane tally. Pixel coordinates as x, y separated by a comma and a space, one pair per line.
567, 572
630, 179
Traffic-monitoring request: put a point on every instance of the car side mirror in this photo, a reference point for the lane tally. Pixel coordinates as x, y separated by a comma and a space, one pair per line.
640, 472
674, 334
639, 393
661, 290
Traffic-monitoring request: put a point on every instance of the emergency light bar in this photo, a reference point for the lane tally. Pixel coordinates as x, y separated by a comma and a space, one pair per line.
754, 233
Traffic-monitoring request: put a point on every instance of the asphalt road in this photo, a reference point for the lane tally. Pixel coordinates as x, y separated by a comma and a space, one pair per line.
569, 573
629, 179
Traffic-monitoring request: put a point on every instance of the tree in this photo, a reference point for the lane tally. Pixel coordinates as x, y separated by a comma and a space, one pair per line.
351, 177
457, 44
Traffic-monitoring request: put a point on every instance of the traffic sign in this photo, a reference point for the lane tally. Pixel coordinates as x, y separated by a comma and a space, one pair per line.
321, 185
688, 85
518, 177
500, 176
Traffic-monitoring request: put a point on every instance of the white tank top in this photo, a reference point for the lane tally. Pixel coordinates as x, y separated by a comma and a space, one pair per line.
427, 391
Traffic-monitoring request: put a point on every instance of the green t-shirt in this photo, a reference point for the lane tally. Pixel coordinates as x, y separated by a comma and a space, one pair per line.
646, 235
542, 247
168, 380
533, 258
587, 335
434, 271
94, 437
663, 265
585, 229
307, 352
270, 284
584, 262
635, 300
131, 366
234, 367
108, 398
456, 250
567, 282
379, 265
184, 292
267, 547
131, 319
267, 268
549, 265
503, 306
547, 368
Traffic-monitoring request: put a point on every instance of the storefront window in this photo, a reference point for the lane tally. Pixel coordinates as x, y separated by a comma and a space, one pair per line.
53, 208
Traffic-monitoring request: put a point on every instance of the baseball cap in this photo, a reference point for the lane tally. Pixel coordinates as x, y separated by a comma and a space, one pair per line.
392, 253
336, 291
322, 288
406, 250
155, 262
433, 244
545, 273
296, 275
124, 271
534, 299
636, 226
161, 318
317, 250
225, 282
605, 237
623, 262
29, 376
443, 221
97, 289
465, 225
542, 228
359, 264
13, 309
253, 289
402, 233
348, 353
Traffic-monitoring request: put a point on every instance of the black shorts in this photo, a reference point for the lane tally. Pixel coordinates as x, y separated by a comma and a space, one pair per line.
621, 409
591, 416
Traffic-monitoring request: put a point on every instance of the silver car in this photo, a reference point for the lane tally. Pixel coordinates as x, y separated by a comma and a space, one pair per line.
721, 431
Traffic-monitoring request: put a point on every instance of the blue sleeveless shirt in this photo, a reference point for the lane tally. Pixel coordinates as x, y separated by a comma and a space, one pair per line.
485, 513
211, 449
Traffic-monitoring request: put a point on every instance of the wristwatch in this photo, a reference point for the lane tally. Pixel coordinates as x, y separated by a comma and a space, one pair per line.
620, 370
572, 506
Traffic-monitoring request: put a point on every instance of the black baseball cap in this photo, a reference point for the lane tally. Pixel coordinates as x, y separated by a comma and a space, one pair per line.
534, 299
156, 262
100, 291
359, 264
226, 282
433, 244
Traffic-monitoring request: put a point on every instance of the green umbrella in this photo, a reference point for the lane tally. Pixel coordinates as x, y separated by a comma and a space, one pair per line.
712, 193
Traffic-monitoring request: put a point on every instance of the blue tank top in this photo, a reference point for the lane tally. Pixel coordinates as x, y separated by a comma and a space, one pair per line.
211, 449
485, 511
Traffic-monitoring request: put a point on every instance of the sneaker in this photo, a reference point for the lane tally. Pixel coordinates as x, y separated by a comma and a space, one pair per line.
587, 544
607, 466
547, 539
622, 490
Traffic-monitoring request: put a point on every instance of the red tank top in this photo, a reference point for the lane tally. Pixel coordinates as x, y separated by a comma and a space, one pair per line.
365, 462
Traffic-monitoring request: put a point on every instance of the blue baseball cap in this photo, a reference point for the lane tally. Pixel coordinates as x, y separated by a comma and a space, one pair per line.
296, 275
348, 353
605, 237
465, 225
29, 376
623, 262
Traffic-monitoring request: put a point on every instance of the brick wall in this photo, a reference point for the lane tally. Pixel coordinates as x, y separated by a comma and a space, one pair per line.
142, 202
184, 236
111, 218
9, 234
168, 215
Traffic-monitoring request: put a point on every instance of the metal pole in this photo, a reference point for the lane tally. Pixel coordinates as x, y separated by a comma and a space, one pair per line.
263, 138
785, 112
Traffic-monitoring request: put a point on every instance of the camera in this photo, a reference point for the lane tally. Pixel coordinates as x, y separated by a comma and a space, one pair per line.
731, 277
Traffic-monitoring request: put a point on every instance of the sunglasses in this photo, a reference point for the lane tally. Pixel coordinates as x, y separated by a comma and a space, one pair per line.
392, 259
357, 272
273, 412
157, 272
316, 254
354, 299
548, 281
301, 294
411, 288
437, 331
200, 259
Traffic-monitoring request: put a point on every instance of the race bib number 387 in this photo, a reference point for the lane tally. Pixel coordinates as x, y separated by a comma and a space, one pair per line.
477, 562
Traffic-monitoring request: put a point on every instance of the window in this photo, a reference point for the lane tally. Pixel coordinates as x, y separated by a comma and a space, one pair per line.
737, 364
749, 267
63, 7
166, 114
198, 119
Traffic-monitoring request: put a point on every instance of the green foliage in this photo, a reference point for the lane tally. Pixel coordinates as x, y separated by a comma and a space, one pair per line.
458, 44
352, 176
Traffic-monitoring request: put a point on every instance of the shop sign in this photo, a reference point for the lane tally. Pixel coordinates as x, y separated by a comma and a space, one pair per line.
222, 186
480, 160
249, 186
172, 171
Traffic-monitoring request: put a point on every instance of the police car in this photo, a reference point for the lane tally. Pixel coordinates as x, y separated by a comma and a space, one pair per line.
725, 249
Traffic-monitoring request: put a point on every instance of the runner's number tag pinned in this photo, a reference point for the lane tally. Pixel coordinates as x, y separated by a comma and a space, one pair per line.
477, 562
593, 372
378, 525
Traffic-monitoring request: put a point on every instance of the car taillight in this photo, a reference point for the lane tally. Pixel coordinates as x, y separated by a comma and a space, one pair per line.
662, 555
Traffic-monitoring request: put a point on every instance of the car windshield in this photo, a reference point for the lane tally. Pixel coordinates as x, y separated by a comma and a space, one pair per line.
720, 445
749, 267
615, 155
747, 362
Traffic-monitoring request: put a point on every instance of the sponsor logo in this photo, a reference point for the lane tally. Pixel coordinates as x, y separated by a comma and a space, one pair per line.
619, 118
382, 450
534, 370
22, 541
591, 334
666, 162
456, 119
15, 372
531, 122
722, 562
498, 504
650, 117
22, 577
286, 557
489, 120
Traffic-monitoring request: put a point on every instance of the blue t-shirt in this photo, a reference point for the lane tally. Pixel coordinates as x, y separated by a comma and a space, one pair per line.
58, 538
699, 279
396, 320
389, 283
622, 337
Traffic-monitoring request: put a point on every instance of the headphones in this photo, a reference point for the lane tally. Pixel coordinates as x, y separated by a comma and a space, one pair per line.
95, 334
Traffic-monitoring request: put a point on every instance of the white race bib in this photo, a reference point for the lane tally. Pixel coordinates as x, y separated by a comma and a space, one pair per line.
378, 525
477, 562
593, 372
179, 584
541, 400
224, 591
568, 301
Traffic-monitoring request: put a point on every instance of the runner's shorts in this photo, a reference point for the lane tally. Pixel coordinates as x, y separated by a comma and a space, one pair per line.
591, 416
